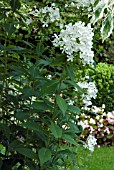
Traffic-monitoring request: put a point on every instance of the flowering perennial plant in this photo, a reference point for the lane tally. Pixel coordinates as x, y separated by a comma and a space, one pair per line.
84, 3
39, 114
91, 92
47, 14
76, 38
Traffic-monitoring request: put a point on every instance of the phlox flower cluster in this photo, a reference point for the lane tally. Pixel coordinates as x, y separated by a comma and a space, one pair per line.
83, 3
47, 14
91, 92
91, 142
76, 38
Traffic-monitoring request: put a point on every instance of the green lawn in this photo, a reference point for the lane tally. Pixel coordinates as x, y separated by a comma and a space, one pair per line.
101, 159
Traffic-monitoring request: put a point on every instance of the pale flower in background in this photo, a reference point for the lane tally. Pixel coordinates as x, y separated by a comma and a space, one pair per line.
91, 142
71, 102
92, 121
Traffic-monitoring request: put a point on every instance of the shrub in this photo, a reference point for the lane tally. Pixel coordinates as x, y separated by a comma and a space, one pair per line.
98, 123
103, 77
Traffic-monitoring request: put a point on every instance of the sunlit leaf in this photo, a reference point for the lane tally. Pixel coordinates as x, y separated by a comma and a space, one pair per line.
62, 104
56, 130
44, 155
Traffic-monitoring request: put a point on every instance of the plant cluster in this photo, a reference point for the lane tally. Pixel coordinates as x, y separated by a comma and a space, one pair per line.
99, 124
103, 77
38, 123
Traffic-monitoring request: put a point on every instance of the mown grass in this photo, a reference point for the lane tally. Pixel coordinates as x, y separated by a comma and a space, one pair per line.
101, 159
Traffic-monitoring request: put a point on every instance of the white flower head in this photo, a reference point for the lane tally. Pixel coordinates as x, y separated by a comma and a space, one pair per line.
48, 14
91, 92
76, 39
91, 142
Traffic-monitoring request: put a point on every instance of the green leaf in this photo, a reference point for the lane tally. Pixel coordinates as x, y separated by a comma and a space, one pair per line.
21, 115
44, 155
98, 13
62, 104
32, 165
49, 87
27, 152
28, 43
74, 127
74, 109
15, 4
43, 62
2, 149
9, 27
58, 60
39, 49
67, 152
70, 72
107, 26
69, 139
41, 106
34, 71
18, 48
75, 85
56, 130
31, 125
28, 91
15, 144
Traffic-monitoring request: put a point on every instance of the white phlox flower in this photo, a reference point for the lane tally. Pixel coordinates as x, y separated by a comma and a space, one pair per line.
91, 142
83, 3
84, 124
92, 121
110, 115
91, 92
48, 14
76, 39
71, 102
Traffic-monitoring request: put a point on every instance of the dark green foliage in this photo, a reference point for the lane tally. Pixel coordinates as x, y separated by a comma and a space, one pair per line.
32, 113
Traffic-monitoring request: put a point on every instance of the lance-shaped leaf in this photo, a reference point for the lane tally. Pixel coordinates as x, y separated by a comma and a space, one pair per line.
56, 130
41, 106
21, 115
27, 152
107, 26
44, 155
70, 73
78, 88
62, 104
49, 87
69, 139
31, 125
98, 12
10, 29
74, 109
39, 49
